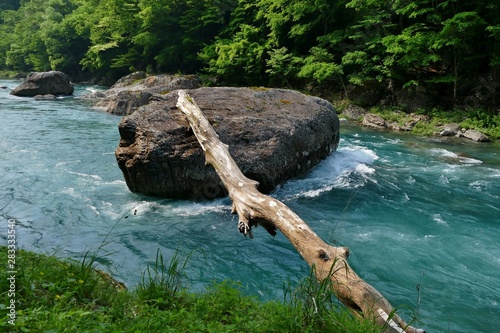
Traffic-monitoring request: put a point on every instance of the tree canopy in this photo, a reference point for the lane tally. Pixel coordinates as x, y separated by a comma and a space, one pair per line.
451, 47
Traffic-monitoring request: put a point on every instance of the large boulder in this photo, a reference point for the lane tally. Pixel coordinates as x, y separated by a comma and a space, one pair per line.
136, 90
273, 135
44, 83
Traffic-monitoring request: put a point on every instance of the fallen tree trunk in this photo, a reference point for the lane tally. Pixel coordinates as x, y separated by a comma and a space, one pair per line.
255, 208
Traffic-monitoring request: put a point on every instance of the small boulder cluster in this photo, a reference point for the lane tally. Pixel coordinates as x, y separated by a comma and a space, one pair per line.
455, 130
372, 120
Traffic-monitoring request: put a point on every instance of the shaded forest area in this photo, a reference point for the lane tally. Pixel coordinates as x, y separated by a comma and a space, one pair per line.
428, 52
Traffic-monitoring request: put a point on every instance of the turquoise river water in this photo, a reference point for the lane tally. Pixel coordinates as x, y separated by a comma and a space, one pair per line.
413, 211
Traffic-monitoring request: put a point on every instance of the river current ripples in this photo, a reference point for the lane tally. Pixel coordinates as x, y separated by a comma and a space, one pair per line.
420, 216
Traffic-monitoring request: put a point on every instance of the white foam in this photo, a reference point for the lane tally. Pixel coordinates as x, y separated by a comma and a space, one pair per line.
69, 191
438, 219
467, 160
86, 175
68, 162
348, 167
365, 235
453, 156
315, 193
443, 152
478, 184
360, 154
138, 207
410, 180
94, 209
194, 209
444, 180
364, 169
94, 89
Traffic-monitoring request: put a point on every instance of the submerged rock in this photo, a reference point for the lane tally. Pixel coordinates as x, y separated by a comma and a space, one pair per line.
273, 135
44, 83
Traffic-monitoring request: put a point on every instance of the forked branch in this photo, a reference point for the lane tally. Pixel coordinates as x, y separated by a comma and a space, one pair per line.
254, 208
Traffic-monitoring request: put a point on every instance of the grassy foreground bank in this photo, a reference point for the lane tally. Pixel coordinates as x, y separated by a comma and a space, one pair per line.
54, 295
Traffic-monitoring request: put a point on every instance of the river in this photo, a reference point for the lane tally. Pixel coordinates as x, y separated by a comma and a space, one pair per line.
420, 216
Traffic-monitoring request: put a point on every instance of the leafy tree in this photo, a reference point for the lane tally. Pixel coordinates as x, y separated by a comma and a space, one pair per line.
172, 33
109, 26
63, 45
201, 22
8, 19
364, 59
37, 38
447, 46
239, 60
9, 5
305, 28
27, 50
238, 53
458, 34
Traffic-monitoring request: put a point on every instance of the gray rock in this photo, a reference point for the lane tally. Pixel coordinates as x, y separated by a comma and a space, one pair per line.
124, 102
96, 95
136, 90
273, 135
354, 112
415, 119
374, 121
450, 130
475, 136
397, 127
129, 80
43, 83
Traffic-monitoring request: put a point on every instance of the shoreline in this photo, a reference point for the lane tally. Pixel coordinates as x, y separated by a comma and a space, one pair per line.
430, 122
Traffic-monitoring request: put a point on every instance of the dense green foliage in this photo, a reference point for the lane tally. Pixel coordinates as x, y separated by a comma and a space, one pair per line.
67, 296
446, 49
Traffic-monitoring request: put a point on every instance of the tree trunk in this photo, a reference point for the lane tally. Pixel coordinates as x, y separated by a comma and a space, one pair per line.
255, 208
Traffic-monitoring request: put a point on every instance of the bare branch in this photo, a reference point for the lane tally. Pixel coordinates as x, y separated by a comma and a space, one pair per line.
255, 208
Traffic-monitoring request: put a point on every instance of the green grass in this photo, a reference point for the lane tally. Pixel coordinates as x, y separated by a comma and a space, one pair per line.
479, 119
55, 295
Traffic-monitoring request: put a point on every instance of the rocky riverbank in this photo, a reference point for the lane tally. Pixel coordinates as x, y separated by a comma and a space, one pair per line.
411, 122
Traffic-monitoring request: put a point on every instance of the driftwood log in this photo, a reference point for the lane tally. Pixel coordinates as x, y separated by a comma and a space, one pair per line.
254, 208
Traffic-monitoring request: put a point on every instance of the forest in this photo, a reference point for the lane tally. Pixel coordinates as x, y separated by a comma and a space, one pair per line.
445, 50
